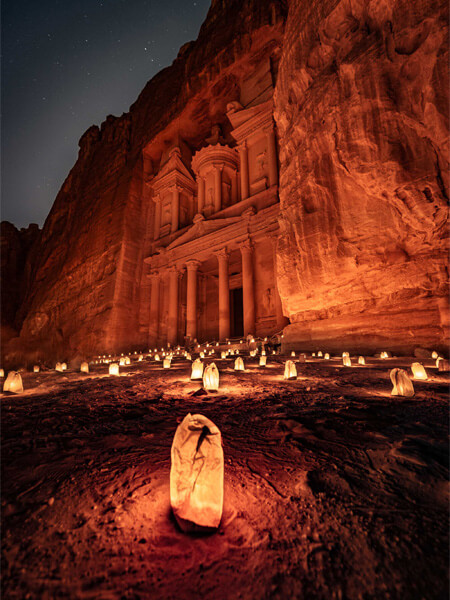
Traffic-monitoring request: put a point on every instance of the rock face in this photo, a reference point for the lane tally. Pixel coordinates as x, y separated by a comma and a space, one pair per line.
16, 245
361, 108
90, 292
361, 105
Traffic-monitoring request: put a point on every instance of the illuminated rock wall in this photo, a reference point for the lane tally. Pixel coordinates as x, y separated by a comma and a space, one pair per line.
361, 105
89, 290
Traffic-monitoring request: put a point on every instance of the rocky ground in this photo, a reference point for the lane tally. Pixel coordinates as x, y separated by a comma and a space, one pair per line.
333, 488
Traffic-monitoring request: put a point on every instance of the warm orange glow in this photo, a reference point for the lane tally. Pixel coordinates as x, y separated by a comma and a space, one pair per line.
438, 360
361, 360
196, 474
290, 370
418, 371
346, 361
166, 363
344, 354
13, 383
36, 369
262, 361
197, 369
202, 355
402, 384
64, 366
211, 378
141, 358
320, 354
122, 362
2, 373
58, 367
223, 355
239, 364
157, 357
292, 353
327, 356
113, 369
84, 367
127, 360
384, 355
434, 354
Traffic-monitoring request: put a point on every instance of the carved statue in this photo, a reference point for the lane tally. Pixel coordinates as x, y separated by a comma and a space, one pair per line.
216, 136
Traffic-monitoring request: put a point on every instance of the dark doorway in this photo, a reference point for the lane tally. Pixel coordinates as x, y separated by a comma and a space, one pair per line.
237, 313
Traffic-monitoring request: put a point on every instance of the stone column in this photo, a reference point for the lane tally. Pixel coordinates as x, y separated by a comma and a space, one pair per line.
243, 155
224, 294
157, 221
248, 290
217, 188
153, 326
175, 208
272, 154
201, 193
282, 321
172, 321
191, 305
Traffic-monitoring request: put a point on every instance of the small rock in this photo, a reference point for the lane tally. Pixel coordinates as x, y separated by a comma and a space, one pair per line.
51, 501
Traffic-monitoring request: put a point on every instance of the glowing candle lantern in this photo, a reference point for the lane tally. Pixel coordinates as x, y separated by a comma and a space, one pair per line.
223, 355
202, 355
122, 362
127, 360
58, 367
2, 373
346, 361
211, 378
262, 361
273, 352
166, 363
239, 364
253, 353
240, 341
434, 354
326, 356
314, 354
290, 370
361, 360
292, 353
64, 366
84, 367
36, 369
217, 343
196, 474
402, 384
418, 371
344, 354
384, 355
188, 356
320, 354
157, 357
113, 369
229, 343
141, 358
263, 353
197, 369
13, 383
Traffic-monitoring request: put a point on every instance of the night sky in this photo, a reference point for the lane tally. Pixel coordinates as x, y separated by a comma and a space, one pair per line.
66, 65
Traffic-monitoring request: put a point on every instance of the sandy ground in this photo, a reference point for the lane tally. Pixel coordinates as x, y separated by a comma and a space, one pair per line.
333, 488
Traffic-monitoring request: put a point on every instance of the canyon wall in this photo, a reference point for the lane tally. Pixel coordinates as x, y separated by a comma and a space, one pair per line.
361, 105
89, 290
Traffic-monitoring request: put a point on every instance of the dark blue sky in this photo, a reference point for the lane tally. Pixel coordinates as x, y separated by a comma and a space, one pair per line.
66, 65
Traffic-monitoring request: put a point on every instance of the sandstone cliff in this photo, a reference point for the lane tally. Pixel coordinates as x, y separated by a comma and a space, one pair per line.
89, 292
362, 114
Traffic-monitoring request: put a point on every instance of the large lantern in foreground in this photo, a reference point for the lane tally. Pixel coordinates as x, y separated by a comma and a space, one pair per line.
197, 369
84, 367
418, 371
13, 383
239, 364
402, 384
290, 370
196, 474
211, 378
346, 361
113, 369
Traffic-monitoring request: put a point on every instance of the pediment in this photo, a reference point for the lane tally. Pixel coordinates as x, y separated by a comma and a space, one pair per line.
176, 165
202, 228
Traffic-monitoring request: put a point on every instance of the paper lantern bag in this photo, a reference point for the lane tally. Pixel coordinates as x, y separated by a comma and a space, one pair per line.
196, 474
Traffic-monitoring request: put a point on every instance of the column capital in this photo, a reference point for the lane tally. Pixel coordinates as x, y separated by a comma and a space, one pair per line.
222, 254
243, 146
154, 275
156, 198
193, 265
218, 166
246, 246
